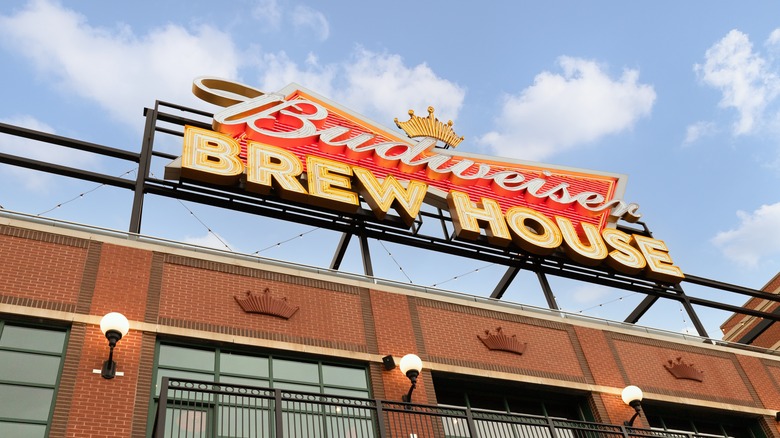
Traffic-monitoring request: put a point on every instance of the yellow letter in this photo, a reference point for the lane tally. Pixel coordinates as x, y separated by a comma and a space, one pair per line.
381, 196
327, 181
466, 217
624, 257
267, 165
210, 157
591, 253
659, 265
533, 231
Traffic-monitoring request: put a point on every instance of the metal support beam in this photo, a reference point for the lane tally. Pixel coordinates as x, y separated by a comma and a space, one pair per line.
548, 293
368, 268
71, 143
505, 281
144, 164
686, 303
70, 172
338, 256
641, 309
444, 230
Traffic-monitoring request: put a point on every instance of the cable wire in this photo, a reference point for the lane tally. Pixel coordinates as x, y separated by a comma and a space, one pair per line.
299, 236
462, 275
395, 261
607, 302
81, 195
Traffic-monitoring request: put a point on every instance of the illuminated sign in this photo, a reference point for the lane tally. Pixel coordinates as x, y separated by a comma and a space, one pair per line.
299, 146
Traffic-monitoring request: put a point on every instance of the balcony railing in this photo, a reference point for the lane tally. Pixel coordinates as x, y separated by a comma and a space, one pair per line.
196, 409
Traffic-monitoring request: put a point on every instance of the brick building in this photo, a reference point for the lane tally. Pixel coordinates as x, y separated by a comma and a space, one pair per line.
228, 345
186, 321
746, 329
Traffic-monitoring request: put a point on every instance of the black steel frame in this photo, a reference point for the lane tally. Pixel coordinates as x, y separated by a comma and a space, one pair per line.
364, 225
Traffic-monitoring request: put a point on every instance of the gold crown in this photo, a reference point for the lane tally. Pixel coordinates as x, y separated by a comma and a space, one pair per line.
681, 370
500, 341
429, 127
266, 305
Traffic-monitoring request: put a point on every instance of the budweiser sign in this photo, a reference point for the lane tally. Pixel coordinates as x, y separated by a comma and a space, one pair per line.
299, 146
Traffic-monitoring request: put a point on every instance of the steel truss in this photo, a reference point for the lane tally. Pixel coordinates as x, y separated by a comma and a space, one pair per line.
364, 225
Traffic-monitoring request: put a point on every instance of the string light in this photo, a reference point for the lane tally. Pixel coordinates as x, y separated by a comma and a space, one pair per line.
278, 244
395, 261
192, 213
81, 195
607, 302
684, 321
462, 275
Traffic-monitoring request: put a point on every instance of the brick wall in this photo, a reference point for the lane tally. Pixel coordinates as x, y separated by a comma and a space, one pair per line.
738, 325
40, 269
87, 277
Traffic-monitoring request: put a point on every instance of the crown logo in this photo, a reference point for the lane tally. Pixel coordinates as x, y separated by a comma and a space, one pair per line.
429, 127
266, 305
502, 342
681, 370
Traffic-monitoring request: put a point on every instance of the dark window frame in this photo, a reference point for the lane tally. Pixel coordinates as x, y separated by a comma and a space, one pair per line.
270, 354
4, 323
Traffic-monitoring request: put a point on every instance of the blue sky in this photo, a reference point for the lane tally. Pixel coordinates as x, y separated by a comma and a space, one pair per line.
683, 97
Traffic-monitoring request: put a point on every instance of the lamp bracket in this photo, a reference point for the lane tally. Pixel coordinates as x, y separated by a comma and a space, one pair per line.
118, 373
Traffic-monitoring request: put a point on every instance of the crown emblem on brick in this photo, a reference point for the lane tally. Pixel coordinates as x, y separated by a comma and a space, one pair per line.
502, 342
682, 370
267, 305
429, 127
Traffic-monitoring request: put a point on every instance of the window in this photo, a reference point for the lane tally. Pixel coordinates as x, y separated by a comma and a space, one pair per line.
30, 363
222, 415
217, 365
509, 397
703, 423
496, 402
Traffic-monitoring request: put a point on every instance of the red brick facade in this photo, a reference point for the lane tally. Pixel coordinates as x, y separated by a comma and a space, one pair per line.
739, 326
72, 277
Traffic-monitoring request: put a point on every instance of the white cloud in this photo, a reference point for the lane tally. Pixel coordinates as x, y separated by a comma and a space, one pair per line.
268, 13
774, 38
563, 111
305, 18
36, 150
382, 85
756, 238
743, 77
124, 72
698, 130
378, 85
280, 70
119, 70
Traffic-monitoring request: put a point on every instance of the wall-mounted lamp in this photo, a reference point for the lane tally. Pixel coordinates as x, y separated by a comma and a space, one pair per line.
632, 396
410, 365
114, 325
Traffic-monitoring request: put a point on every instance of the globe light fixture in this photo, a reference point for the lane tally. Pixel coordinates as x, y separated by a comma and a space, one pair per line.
410, 366
632, 396
114, 325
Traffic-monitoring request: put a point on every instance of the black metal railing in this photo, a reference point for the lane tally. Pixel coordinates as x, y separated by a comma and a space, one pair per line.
196, 409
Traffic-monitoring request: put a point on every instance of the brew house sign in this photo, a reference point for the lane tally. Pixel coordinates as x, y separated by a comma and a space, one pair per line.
301, 147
